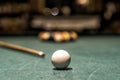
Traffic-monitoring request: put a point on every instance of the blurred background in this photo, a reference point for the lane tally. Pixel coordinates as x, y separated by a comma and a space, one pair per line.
82, 16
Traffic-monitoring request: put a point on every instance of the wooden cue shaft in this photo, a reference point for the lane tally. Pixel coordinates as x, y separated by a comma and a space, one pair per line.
17, 47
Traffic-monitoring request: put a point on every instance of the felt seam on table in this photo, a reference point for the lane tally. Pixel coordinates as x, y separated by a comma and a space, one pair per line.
92, 73
23, 66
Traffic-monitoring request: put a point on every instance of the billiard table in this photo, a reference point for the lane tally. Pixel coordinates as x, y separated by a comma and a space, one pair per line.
92, 58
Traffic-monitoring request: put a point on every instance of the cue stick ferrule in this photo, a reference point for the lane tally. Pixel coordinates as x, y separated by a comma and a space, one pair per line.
41, 53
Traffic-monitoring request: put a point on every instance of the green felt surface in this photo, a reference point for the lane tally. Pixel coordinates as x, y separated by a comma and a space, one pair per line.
93, 58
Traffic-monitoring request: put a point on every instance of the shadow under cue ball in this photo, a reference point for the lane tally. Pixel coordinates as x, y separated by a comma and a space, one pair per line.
61, 59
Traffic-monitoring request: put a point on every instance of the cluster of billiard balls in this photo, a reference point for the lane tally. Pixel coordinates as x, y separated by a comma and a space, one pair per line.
58, 36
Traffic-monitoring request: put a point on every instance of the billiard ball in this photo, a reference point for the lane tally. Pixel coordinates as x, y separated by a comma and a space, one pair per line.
57, 36
74, 35
66, 36
44, 35
60, 59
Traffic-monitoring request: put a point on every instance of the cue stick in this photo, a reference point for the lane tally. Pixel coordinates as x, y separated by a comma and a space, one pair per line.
21, 48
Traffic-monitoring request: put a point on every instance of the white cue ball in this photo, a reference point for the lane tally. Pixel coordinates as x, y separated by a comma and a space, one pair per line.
61, 59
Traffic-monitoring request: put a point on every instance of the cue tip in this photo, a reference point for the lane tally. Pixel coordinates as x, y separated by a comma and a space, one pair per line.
41, 54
